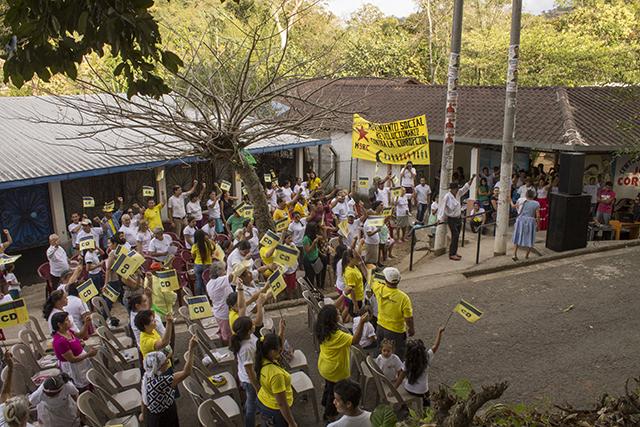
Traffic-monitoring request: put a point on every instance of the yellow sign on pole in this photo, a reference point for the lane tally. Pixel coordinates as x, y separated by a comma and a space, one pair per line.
88, 202
127, 264
4, 259
13, 313
397, 191
199, 307
270, 239
363, 182
267, 177
277, 283
387, 212
282, 224
225, 185
469, 312
375, 221
87, 290
286, 256
110, 293
344, 228
86, 243
393, 143
167, 280
148, 191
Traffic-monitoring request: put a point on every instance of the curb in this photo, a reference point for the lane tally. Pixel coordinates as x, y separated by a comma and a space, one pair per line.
543, 259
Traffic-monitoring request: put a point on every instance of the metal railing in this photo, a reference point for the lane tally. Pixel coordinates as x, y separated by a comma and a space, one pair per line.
483, 227
421, 226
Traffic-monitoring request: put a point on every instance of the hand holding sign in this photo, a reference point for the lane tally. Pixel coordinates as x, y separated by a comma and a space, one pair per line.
199, 307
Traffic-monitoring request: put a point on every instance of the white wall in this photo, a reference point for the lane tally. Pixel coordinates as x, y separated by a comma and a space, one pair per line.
58, 219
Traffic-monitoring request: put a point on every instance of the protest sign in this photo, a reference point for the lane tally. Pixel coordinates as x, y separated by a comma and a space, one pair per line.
363, 182
110, 293
88, 202
148, 191
270, 239
277, 283
87, 290
199, 307
13, 313
286, 256
166, 280
469, 312
86, 243
225, 185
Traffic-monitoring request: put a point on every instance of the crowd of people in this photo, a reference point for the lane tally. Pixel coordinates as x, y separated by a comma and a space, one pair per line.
341, 242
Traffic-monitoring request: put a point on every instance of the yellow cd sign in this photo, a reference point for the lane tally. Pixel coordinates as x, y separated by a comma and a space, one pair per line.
166, 280
199, 307
277, 283
286, 256
13, 313
87, 290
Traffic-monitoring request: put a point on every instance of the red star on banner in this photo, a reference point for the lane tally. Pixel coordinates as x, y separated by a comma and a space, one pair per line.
362, 134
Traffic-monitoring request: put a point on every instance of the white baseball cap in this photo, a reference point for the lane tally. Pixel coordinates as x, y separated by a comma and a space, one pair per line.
391, 275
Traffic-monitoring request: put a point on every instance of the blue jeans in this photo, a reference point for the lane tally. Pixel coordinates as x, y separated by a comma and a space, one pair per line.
15, 293
198, 269
271, 417
422, 210
250, 405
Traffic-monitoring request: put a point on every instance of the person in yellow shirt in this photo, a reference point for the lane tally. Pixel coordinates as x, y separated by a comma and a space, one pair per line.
153, 214
275, 396
314, 181
282, 211
395, 311
334, 362
202, 251
150, 339
353, 281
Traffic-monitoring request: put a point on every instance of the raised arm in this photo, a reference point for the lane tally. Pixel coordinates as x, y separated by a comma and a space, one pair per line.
357, 334
180, 376
166, 338
193, 188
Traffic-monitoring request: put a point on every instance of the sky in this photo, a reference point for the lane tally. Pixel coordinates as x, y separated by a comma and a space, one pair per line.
400, 8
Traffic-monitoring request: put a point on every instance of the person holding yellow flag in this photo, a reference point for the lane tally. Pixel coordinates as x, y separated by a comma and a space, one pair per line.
334, 362
395, 311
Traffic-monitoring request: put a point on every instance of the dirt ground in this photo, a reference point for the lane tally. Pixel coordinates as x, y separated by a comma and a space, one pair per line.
564, 331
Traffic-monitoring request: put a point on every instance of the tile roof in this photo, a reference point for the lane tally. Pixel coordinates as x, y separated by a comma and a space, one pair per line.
606, 118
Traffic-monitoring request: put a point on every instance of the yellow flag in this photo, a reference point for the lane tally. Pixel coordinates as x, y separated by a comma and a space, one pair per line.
225, 185
276, 280
469, 312
393, 143
344, 228
148, 191
282, 224
363, 182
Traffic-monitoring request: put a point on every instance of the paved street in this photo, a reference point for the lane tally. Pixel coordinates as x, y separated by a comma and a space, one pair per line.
525, 336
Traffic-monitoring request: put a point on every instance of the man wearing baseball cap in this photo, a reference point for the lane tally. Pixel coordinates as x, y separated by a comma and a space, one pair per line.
395, 311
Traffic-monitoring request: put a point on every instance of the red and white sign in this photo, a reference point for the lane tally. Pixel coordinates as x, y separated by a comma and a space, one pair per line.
627, 180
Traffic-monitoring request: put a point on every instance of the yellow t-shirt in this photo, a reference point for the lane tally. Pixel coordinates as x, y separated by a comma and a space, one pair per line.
334, 362
353, 279
303, 209
278, 214
314, 184
393, 307
266, 260
274, 379
233, 316
197, 257
148, 342
153, 216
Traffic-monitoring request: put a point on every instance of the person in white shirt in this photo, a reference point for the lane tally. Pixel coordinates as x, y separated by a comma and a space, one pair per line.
408, 179
74, 228
528, 185
451, 210
355, 229
143, 237
383, 193
76, 308
12, 281
55, 401
240, 253
194, 208
94, 267
402, 216
592, 190
218, 289
58, 260
372, 237
339, 206
272, 196
88, 230
213, 208
129, 229
189, 231
369, 338
160, 245
286, 193
139, 303
488, 176
422, 196
296, 228
176, 206
346, 398
389, 362
210, 228
478, 216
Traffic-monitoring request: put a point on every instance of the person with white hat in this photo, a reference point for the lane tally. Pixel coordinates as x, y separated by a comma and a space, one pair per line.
395, 311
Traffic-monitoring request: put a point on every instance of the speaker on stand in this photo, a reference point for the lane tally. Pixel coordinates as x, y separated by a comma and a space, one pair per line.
569, 209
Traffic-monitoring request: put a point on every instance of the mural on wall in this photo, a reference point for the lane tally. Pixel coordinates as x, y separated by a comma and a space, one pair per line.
597, 166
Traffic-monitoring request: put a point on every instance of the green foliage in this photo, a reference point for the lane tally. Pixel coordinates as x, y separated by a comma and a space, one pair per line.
383, 416
462, 388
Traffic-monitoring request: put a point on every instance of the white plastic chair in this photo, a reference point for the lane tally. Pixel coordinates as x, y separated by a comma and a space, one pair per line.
96, 413
221, 358
23, 355
122, 380
209, 336
34, 325
125, 359
21, 383
30, 339
124, 402
364, 373
120, 338
222, 410
202, 375
389, 394
303, 386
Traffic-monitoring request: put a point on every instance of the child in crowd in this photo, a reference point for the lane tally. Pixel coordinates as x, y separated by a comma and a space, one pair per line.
94, 267
368, 339
371, 302
388, 362
402, 216
243, 346
414, 375
346, 397
12, 281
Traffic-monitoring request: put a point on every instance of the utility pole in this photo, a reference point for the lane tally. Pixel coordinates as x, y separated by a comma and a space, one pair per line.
508, 133
448, 143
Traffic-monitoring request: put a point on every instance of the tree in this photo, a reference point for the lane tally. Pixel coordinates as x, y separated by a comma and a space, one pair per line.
236, 88
49, 37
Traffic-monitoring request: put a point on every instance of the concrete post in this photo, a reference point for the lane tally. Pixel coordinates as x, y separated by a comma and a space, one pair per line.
508, 134
161, 189
237, 185
58, 217
474, 170
299, 159
448, 145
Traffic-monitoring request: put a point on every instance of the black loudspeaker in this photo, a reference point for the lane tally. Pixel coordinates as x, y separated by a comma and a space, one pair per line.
571, 173
568, 220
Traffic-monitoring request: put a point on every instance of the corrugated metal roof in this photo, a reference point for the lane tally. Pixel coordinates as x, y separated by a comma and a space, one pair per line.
39, 143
